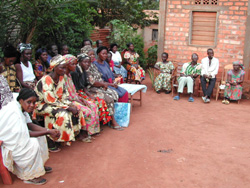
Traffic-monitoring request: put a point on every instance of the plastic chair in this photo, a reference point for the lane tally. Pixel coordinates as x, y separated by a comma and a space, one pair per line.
3, 170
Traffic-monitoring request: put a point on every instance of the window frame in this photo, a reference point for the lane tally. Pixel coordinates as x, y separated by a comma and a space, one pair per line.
191, 29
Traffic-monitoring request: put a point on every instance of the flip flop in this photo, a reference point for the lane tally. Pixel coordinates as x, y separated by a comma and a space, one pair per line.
54, 149
191, 99
48, 169
118, 128
177, 98
41, 182
87, 139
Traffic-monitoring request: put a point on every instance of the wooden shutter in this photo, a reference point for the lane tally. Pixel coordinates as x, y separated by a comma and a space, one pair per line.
203, 28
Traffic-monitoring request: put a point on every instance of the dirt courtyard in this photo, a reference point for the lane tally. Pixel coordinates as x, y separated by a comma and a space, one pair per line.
203, 146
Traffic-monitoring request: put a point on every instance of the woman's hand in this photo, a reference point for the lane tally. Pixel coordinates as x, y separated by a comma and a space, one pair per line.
114, 85
105, 86
73, 109
54, 133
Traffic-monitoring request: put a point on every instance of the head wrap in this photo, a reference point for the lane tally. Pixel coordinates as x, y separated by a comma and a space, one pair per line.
82, 56
69, 58
26, 93
240, 64
39, 52
21, 47
5, 93
10, 51
57, 60
86, 49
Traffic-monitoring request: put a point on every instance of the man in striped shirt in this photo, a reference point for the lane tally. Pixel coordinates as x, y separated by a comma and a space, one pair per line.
189, 72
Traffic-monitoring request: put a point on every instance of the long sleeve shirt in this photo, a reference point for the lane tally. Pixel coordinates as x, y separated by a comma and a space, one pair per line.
209, 70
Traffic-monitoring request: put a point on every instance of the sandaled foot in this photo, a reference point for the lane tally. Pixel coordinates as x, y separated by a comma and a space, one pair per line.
227, 102
48, 169
158, 92
54, 149
118, 128
36, 181
87, 139
167, 92
191, 99
223, 102
177, 98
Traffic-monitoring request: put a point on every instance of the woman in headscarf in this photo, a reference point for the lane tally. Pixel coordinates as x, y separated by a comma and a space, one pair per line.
8, 67
79, 78
98, 88
88, 108
54, 104
24, 146
132, 58
24, 69
235, 78
41, 65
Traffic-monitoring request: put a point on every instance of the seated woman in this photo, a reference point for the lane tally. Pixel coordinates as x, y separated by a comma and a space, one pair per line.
163, 80
24, 146
59, 112
116, 57
235, 78
24, 69
108, 75
132, 59
41, 65
88, 108
79, 78
8, 69
118, 77
98, 88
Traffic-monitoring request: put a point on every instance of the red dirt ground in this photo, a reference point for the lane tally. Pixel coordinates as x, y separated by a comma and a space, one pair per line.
208, 146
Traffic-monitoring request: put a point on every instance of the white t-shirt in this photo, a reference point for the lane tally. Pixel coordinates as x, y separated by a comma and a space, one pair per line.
28, 73
116, 57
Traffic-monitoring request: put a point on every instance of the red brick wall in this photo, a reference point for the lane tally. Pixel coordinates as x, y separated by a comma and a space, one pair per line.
101, 34
230, 33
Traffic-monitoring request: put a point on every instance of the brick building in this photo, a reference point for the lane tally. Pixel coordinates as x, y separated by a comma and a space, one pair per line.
188, 26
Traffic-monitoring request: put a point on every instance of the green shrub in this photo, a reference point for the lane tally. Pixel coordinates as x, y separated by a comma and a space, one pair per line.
152, 56
122, 33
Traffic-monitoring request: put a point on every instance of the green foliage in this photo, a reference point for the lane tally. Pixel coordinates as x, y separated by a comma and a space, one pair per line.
152, 56
43, 22
151, 75
122, 34
130, 11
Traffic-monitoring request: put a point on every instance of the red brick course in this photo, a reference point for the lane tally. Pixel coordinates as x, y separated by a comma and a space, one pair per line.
231, 26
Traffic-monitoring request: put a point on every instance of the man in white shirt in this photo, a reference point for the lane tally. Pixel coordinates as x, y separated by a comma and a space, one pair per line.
209, 70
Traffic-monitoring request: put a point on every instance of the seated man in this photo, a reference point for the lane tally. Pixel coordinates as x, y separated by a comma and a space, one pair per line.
7, 68
189, 72
209, 70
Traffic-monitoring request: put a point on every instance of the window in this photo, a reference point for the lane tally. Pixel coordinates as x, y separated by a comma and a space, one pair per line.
155, 34
206, 2
203, 28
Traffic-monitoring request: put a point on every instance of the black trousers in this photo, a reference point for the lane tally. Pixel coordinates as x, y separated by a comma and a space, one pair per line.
207, 91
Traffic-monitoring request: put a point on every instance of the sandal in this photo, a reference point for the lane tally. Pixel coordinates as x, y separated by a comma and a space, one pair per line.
158, 92
191, 99
177, 98
227, 102
54, 149
224, 101
48, 169
87, 139
35, 181
118, 128
167, 92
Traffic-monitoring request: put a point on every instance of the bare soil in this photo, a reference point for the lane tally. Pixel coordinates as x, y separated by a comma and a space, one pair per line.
202, 146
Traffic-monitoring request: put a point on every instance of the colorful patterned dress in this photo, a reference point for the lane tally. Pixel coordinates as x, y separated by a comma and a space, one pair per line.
163, 80
79, 78
9, 73
90, 112
110, 96
52, 104
139, 73
234, 92
39, 69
